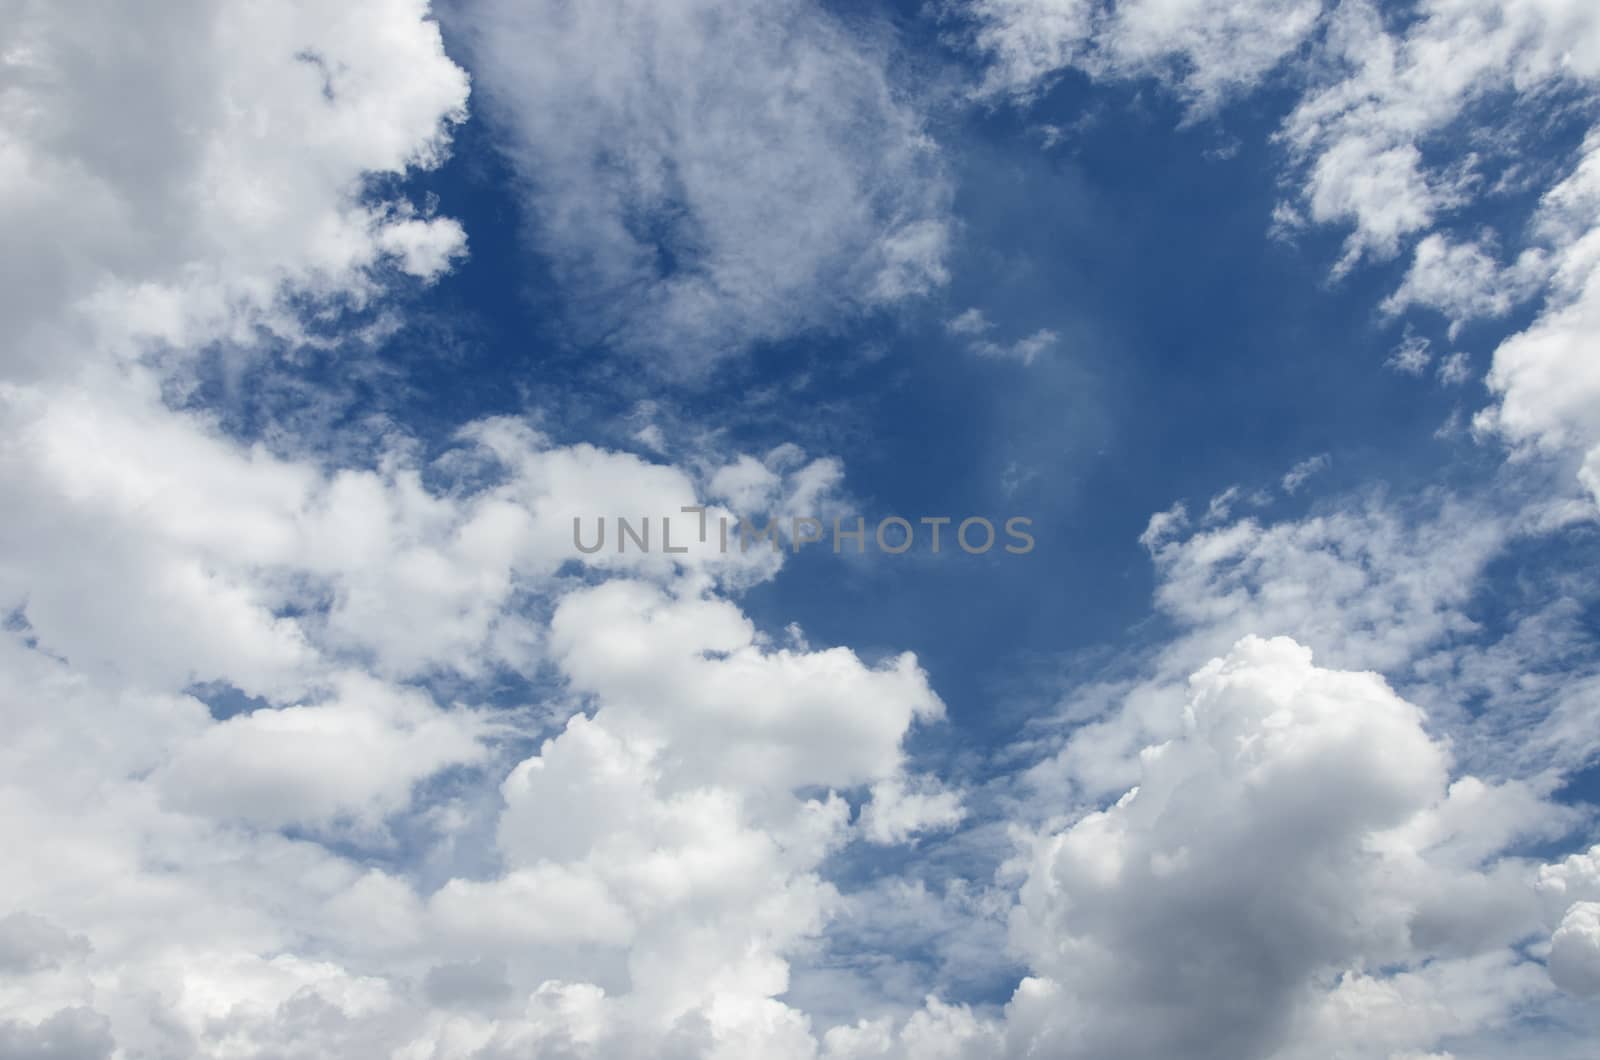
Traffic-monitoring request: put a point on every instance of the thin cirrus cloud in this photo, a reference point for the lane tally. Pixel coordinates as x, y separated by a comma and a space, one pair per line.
705, 176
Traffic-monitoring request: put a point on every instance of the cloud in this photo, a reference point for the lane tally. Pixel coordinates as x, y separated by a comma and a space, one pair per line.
705, 178
1571, 889
238, 679
170, 180
1380, 95
1208, 49
72, 1034
1455, 369
1297, 475
902, 808
1202, 905
1575, 950
1546, 381
974, 327
1464, 282
1224, 904
31, 943
322, 757
1412, 356
1176, 872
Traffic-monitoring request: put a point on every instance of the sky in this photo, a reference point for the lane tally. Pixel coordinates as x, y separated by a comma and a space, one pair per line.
1268, 321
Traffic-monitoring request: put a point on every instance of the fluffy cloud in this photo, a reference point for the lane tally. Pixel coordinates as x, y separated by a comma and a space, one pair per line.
1571, 890
1464, 282
900, 809
201, 880
1548, 384
1263, 846
1382, 96
1293, 873
706, 176
169, 179
1575, 950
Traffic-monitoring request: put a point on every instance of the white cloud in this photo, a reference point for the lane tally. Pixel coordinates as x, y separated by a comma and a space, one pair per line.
706, 177
1380, 96
1412, 356
629, 859
1464, 282
355, 756
1571, 889
969, 322
168, 178
1024, 349
1198, 912
974, 327
1208, 48
203, 887
1226, 904
900, 808
1575, 950
1297, 475
1455, 369
1545, 376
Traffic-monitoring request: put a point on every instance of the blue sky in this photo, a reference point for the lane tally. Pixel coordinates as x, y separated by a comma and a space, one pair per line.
1272, 316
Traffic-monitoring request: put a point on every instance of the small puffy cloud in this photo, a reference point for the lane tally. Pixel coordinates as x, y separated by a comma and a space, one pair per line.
355, 756
903, 807
1571, 891
737, 710
1163, 526
1464, 282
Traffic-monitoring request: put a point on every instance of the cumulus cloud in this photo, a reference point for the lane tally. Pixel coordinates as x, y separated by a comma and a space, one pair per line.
901, 808
1575, 950
1294, 869
202, 872
1464, 282
706, 177
1547, 383
1198, 911
170, 179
